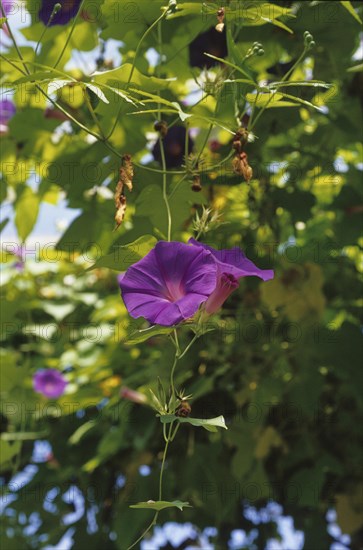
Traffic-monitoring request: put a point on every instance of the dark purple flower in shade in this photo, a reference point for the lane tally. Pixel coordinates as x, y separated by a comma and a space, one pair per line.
170, 283
68, 10
7, 111
49, 382
231, 264
174, 147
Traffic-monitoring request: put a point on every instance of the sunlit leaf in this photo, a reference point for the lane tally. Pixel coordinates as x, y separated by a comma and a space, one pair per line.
126, 255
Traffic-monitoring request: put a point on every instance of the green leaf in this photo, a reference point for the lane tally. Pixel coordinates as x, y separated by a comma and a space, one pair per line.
356, 68
161, 505
264, 99
186, 8
274, 98
310, 83
232, 65
257, 13
120, 77
2, 21
26, 212
122, 94
348, 6
142, 335
80, 432
126, 255
23, 436
96, 90
210, 424
8, 451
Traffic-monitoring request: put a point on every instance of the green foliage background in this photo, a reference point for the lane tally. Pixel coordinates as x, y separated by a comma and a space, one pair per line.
283, 364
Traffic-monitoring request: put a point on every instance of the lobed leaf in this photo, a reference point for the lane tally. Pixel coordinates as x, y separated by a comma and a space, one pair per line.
161, 505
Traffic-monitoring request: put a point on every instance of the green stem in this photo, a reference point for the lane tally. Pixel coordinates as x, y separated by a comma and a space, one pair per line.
175, 431
93, 115
203, 146
284, 78
195, 337
172, 387
52, 15
14, 41
69, 35
146, 531
68, 115
148, 30
168, 439
143, 167
165, 193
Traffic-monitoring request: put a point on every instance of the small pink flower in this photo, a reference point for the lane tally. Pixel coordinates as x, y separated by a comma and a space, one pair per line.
132, 395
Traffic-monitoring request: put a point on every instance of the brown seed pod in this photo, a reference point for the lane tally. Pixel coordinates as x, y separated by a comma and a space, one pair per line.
220, 16
162, 127
184, 409
127, 172
125, 179
241, 167
196, 185
240, 139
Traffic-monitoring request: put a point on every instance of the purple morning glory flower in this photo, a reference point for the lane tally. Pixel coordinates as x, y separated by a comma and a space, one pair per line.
7, 5
169, 284
231, 265
49, 382
63, 16
19, 252
7, 111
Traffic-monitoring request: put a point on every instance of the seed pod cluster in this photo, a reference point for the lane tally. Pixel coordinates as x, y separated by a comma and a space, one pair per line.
125, 179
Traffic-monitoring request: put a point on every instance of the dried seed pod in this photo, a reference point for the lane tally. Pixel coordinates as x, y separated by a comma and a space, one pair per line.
240, 139
127, 172
120, 210
241, 167
125, 179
